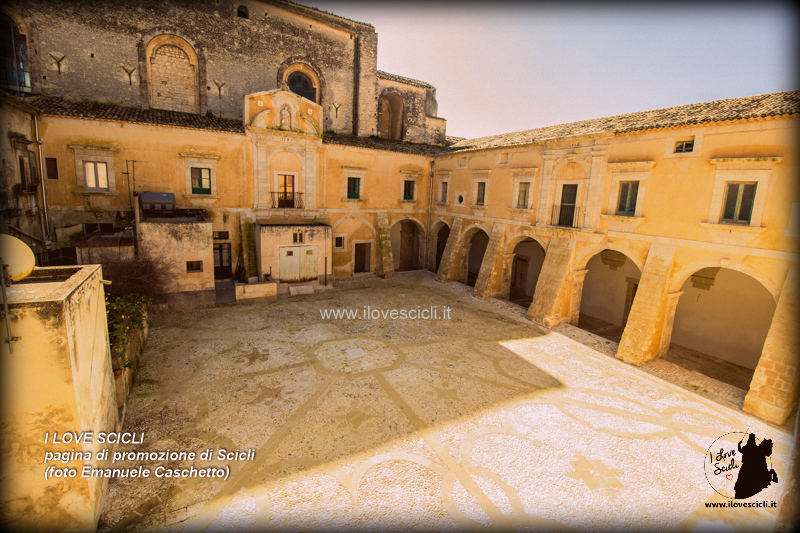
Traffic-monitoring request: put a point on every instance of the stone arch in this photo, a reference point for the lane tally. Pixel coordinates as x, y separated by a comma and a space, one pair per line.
522, 264
720, 312
355, 217
604, 287
390, 115
470, 231
472, 247
408, 248
306, 68
513, 240
570, 158
173, 74
677, 280
586, 255
437, 240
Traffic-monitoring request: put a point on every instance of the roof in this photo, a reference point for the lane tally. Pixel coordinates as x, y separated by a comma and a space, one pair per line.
376, 143
764, 105
75, 107
323, 16
95, 240
403, 79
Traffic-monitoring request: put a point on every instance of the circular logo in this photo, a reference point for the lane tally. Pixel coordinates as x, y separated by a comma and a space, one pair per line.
738, 465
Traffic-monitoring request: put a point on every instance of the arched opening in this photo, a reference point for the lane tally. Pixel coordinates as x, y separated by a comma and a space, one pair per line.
15, 72
526, 265
721, 322
441, 242
172, 71
472, 256
391, 116
609, 287
405, 236
242, 12
302, 85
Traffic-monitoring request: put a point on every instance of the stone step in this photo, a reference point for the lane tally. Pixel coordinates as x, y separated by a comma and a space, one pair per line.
301, 289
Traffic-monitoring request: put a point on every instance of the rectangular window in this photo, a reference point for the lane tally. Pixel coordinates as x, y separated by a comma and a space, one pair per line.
627, 198
338, 243
201, 180
444, 192
298, 238
221, 236
96, 176
51, 167
91, 227
480, 197
353, 188
408, 190
522, 195
738, 206
22, 176
684, 146
194, 266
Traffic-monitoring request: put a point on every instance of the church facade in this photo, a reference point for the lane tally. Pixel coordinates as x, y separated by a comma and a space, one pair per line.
301, 163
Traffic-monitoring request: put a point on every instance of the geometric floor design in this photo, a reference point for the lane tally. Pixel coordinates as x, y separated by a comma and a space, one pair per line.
480, 421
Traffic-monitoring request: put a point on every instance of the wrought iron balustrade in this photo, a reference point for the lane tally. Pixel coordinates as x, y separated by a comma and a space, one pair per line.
565, 215
287, 200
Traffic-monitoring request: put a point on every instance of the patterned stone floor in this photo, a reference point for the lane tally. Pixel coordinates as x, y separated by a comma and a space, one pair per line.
482, 421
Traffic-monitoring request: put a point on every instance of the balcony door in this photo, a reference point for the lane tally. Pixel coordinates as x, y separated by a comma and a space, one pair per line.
566, 211
285, 191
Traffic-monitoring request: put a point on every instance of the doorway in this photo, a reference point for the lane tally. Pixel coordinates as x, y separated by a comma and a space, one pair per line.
362, 255
222, 261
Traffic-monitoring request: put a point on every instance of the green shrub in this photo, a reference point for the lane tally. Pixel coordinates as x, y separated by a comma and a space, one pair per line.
125, 313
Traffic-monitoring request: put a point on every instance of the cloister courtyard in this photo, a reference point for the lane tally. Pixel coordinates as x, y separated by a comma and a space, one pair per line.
482, 420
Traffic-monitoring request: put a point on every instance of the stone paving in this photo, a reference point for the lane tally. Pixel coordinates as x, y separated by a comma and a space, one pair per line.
480, 421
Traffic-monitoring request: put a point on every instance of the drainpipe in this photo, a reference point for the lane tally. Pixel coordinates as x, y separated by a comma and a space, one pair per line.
430, 201
43, 218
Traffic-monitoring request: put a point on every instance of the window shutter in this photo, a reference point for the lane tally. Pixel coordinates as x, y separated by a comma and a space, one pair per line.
729, 211
623, 197
633, 191
34, 170
746, 205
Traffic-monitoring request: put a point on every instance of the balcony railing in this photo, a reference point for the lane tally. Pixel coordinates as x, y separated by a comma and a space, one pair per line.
565, 215
287, 200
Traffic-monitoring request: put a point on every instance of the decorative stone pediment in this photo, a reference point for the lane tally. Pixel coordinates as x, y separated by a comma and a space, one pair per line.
282, 110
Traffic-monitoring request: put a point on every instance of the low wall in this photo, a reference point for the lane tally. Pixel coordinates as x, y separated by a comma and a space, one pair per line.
126, 364
256, 292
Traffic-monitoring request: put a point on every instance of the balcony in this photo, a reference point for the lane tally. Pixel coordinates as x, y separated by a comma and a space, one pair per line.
565, 215
287, 200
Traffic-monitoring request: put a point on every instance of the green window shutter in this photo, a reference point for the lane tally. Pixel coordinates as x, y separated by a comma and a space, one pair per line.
353, 188
481, 193
633, 191
731, 196
623, 197
746, 203
201, 181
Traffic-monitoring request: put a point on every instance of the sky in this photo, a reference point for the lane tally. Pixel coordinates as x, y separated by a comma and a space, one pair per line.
511, 66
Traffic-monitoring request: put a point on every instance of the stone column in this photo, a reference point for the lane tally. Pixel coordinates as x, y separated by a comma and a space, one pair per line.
445, 273
384, 266
553, 288
774, 389
594, 200
577, 292
641, 340
491, 266
543, 212
669, 321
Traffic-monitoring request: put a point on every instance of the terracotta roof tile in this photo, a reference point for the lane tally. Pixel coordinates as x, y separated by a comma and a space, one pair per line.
376, 143
72, 107
764, 105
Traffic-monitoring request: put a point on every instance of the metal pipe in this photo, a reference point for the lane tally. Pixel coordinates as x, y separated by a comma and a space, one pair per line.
42, 173
35, 238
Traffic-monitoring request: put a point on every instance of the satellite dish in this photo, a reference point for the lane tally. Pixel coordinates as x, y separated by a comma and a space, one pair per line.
18, 256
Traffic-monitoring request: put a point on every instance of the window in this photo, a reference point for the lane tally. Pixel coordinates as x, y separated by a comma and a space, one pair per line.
298, 237
242, 12
338, 243
443, 197
628, 190
201, 180
502, 158
353, 188
480, 196
684, 146
522, 195
221, 236
300, 84
408, 190
96, 176
194, 266
51, 167
14, 69
738, 206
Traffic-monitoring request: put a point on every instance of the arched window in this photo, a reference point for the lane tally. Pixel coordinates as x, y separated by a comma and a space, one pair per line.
172, 69
300, 84
391, 116
242, 12
14, 70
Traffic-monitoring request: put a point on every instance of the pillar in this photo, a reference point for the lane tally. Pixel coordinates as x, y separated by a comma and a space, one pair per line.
384, 266
445, 273
551, 300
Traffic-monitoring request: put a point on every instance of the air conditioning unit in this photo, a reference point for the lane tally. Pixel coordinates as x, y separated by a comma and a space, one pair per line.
157, 200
